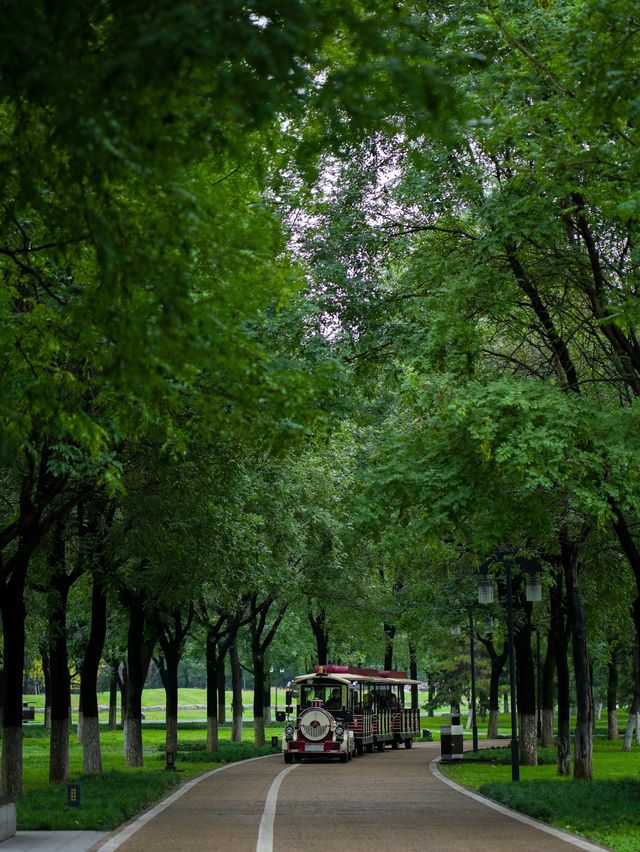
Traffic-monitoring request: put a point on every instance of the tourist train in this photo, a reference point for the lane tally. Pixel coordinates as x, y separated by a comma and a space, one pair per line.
344, 711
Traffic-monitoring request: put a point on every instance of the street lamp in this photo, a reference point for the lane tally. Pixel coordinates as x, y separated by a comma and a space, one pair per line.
485, 590
277, 682
472, 642
485, 596
534, 588
456, 630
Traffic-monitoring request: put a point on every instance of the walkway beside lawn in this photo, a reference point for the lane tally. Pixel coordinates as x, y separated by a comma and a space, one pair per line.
381, 801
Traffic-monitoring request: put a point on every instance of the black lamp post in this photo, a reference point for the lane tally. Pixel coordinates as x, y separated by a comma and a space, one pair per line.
472, 648
538, 684
515, 750
485, 595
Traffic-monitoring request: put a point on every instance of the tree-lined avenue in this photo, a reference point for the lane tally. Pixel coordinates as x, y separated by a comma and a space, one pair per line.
379, 802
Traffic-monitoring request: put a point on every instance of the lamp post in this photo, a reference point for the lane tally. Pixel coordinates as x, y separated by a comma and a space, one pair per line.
485, 595
515, 751
472, 648
277, 682
538, 685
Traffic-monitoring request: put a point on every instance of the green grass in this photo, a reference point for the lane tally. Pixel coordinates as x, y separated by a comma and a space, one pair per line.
192, 703
119, 793
605, 810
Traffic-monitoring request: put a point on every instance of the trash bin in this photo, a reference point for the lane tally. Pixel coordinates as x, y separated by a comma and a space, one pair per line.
451, 740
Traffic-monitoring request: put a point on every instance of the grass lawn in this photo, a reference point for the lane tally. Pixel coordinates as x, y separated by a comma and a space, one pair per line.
605, 810
192, 704
119, 793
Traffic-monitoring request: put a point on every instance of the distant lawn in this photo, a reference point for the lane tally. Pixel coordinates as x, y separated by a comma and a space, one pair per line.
192, 701
606, 810
119, 793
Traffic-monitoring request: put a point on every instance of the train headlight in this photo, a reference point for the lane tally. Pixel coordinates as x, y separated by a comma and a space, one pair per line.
288, 732
339, 732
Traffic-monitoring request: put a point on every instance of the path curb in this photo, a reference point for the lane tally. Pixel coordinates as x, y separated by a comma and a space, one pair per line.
527, 820
122, 834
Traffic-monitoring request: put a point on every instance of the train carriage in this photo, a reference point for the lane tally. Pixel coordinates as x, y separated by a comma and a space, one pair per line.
342, 711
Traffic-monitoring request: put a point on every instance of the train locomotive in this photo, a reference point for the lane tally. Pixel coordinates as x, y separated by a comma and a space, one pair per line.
344, 711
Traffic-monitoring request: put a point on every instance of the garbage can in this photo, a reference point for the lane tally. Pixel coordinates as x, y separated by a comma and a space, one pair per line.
451, 740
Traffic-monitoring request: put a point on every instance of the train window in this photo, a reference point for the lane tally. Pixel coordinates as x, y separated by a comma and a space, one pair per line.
331, 696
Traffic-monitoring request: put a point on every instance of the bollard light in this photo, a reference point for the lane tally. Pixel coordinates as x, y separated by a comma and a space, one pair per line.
275, 742
171, 761
73, 795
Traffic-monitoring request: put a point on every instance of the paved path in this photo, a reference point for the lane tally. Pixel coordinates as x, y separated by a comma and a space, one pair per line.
383, 802
51, 841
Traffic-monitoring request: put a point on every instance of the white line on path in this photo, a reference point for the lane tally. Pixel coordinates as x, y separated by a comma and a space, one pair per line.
122, 836
556, 832
265, 835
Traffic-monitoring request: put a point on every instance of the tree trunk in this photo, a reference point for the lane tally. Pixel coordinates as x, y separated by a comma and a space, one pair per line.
123, 678
583, 738
139, 654
266, 692
236, 688
548, 690
632, 721
212, 691
389, 634
612, 696
13, 620
113, 697
261, 638
526, 691
498, 662
634, 709
91, 756
46, 670
80, 725
172, 660
319, 627
172, 630
258, 696
559, 637
413, 674
528, 739
60, 682
222, 691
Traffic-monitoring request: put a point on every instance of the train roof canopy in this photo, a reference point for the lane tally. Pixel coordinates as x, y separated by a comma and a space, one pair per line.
355, 675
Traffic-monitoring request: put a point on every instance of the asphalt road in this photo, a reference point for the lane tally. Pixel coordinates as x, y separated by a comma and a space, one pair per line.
383, 801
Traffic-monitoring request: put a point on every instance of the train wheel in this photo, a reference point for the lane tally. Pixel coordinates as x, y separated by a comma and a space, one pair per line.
380, 746
395, 744
359, 749
349, 755
297, 758
288, 757
369, 748
408, 743
344, 757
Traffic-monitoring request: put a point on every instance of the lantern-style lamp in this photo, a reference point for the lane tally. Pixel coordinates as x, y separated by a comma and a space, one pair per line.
485, 590
534, 588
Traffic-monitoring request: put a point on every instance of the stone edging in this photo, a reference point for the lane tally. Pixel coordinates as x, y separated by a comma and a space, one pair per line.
534, 823
123, 834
